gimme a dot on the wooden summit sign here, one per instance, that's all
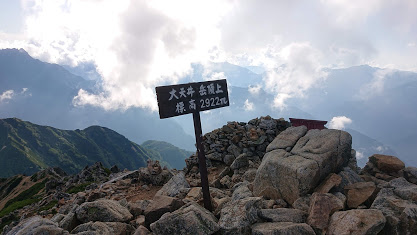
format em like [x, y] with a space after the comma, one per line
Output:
[176, 100]
[187, 98]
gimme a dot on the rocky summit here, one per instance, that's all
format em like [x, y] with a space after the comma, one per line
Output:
[265, 177]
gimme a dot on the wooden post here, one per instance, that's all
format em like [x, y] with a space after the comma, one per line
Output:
[202, 161]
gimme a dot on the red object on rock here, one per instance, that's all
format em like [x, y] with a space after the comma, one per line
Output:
[310, 124]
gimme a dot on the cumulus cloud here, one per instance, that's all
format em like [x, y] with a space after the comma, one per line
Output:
[137, 45]
[359, 155]
[254, 90]
[376, 86]
[248, 106]
[339, 122]
[7, 95]
[301, 71]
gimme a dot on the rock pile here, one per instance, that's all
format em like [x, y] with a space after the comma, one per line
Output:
[266, 178]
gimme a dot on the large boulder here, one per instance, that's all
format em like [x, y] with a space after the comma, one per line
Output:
[290, 175]
[177, 186]
[189, 219]
[282, 228]
[98, 228]
[36, 225]
[104, 211]
[359, 221]
[236, 217]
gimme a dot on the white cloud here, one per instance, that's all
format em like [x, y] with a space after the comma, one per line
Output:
[339, 122]
[7, 95]
[301, 71]
[254, 90]
[376, 86]
[138, 45]
[248, 106]
[359, 155]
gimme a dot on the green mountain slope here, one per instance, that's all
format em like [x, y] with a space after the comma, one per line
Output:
[25, 148]
[173, 155]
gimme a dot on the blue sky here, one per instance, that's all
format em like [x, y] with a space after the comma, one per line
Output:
[137, 45]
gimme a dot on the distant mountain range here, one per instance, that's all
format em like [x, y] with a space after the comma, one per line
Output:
[172, 155]
[381, 103]
[42, 93]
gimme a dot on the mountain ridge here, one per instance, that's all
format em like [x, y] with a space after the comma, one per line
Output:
[37, 147]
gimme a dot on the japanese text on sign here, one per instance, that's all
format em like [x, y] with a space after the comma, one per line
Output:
[192, 97]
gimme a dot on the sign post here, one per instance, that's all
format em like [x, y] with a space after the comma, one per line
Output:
[192, 98]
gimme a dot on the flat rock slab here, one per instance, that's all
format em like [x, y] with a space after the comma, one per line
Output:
[159, 206]
[236, 217]
[283, 215]
[189, 219]
[104, 211]
[37, 225]
[281, 228]
[359, 221]
[114, 228]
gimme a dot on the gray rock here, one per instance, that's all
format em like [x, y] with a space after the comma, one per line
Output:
[287, 138]
[241, 191]
[142, 230]
[249, 175]
[282, 228]
[302, 203]
[159, 206]
[104, 211]
[400, 214]
[283, 176]
[359, 221]
[189, 219]
[228, 159]
[404, 189]
[215, 156]
[349, 176]
[99, 228]
[410, 174]
[36, 225]
[177, 186]
[69, 222]
[240, 161]
[57, 217]
[292, 175]
[283, 215]
[234, 150]
[236, 217]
